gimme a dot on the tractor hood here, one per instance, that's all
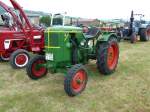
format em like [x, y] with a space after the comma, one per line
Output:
[64, 28]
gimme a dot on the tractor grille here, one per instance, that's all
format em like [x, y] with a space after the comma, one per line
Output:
[53, 39]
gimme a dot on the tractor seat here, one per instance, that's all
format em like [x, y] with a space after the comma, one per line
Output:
[92, 33]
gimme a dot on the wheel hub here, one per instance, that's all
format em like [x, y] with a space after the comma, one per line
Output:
[21, 60]
[37, 69]
[78, 81]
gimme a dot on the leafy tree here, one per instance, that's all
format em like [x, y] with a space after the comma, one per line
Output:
[45, 20]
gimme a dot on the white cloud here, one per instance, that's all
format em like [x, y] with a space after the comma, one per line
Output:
[89, 8]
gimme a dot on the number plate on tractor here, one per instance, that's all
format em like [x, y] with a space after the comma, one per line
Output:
[49, 56]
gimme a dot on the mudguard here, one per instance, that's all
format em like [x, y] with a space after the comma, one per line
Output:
[106, 35]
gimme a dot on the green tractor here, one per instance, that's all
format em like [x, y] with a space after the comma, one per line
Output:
[68, 49]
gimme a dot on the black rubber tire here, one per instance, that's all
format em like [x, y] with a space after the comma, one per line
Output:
[133, 38]
[69, 77]
[29, 67]
[143, 36]
[119, 39]
[102, 53]
[14, 55]
[3, 59]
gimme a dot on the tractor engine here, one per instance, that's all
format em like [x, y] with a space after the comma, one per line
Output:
[61, 45]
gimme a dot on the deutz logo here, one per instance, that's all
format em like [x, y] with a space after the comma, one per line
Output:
[66, 36]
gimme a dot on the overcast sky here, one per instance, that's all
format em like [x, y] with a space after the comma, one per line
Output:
[102, 9]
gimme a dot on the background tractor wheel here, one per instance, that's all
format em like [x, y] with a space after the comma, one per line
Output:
[19, 59]
[133, 38]
[76, 80]
[34, 70]
[107, 56]
[145, 34]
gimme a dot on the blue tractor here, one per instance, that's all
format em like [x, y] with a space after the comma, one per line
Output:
[137, 28]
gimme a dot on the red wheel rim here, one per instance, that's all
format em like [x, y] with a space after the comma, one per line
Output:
[37, 70]
[21, 59]
[79, 81]
[112, 57]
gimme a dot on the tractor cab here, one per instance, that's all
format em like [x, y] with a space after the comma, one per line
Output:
[61, 19]
[57, 19]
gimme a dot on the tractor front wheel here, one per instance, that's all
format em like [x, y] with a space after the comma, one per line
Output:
[19, 59]
[76, 80]
[34, 69]
[107, 56]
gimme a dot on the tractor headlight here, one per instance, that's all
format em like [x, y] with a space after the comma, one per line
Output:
[90, 44]
[37, 37]
[6, 44]
[49, 56]
[82, 43]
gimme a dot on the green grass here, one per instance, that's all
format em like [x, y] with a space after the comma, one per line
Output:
[127, 90]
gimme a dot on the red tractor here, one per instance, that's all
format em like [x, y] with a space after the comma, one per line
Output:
[18, 36]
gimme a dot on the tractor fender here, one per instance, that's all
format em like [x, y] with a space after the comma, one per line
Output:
[106, 36]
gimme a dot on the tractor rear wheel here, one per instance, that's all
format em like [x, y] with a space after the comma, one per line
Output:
[107, 56]
[76, 80]
[133, 38]
[19, 59]
[34, 70]
[145, 34]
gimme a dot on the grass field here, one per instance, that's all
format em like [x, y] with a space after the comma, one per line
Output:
[127, 90]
